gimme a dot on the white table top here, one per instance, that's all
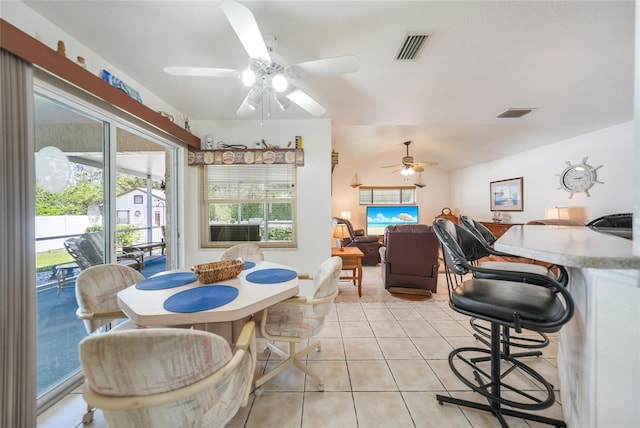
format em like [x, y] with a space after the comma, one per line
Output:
[145, 307]
[572, 246]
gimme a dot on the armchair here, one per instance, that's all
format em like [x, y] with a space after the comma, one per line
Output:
[368, 244]
[96, 294]
[167, 377]
[299, 318]
[410, 259]
[247, 252]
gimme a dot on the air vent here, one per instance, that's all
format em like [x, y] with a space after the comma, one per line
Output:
[511, 113]
[411, 46]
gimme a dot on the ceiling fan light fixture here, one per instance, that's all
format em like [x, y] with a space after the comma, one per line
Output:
[254, 98]
[279, 83]
[283, 101]
[407, 171]
[248, 77]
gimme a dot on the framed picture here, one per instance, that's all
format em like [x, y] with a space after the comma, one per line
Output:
[506, 195]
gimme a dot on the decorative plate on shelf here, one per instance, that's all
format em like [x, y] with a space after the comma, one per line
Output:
[208, 158]
[269, 157]
[228, 157]
[249, 157]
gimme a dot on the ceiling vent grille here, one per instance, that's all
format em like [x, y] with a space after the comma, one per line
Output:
[511, 113]
[411, 46]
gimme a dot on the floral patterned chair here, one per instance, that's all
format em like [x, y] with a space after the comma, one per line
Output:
[300, 318]
[247, 252]
[167, 377]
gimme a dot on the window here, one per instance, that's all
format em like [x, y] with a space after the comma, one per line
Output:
[405, 195]
[137, 199]
[248, 203]
[122, 217]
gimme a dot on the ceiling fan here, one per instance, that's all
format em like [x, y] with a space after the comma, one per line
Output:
[267, 73]
[408, 166]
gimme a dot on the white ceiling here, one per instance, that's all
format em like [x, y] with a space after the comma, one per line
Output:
[570, 60]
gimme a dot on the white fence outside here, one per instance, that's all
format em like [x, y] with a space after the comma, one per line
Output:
[58, 225]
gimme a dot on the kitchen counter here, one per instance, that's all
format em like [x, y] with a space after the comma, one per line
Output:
[574, 246]
[599, 349]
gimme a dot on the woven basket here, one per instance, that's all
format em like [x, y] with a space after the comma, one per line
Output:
[217, 271]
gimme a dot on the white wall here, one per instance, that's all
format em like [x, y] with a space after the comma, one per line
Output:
[611, 147]
[314, 187]
[35, 25]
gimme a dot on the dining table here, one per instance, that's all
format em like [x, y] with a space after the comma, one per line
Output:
[177, 298]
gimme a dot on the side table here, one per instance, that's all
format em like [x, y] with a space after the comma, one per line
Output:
[62, 274]
[351, 260]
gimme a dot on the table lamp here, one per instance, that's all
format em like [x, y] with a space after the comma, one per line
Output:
[340, 232]
[345, 215]
[568, 213]
[557, 213]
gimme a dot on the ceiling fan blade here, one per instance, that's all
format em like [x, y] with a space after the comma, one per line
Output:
[246, 28]
[391, 166]
[423, 163]
[250, 103]
[306, 102]
[201, 71]
[417, 168]
[325, 67]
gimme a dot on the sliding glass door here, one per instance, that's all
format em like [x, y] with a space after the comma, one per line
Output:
[99, 178]
[70, 201]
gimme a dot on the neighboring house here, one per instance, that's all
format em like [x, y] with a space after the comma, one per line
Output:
[132, 206]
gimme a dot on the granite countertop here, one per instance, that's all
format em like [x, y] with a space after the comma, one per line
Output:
[574, 246]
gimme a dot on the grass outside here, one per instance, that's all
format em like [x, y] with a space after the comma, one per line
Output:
[47, 259]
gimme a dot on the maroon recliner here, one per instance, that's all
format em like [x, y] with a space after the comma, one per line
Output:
[368, 244]
[409, 259]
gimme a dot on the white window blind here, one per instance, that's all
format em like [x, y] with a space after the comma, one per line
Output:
[250, 182]
[387, 195]
[253, 203]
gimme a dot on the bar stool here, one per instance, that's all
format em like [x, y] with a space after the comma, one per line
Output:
[517, 300]
[533, 343]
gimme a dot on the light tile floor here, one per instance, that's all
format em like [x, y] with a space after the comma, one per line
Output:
[384, 359]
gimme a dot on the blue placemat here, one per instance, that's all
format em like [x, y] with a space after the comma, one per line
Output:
[248, 265]
[201, 298]
[168, 280]
[271, 276]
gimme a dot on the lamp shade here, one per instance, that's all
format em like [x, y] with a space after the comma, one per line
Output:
[565, 213]
[557, 213]
[345, 215]
[340, 231]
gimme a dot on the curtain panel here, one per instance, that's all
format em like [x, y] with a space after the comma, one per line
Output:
[17, 247]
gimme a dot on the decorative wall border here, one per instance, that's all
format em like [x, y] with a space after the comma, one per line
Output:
[246, 157]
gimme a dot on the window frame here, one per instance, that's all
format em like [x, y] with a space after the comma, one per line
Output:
[204, 222]
[399, 201]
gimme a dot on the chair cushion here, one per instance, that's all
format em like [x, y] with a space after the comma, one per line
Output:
[185, 360]
[302, 321]
[502, 299]
[97, 288]
[299, 321]
[157, 360]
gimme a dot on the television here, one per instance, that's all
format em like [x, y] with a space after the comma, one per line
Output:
[379, 217]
